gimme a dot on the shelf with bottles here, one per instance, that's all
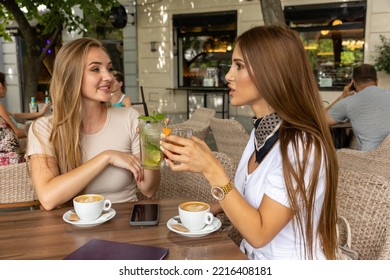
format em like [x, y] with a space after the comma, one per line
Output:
[207, 70]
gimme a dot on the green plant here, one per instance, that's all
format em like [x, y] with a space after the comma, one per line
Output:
[382, 61]
[154, 118]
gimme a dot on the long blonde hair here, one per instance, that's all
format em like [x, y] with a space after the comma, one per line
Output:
[65, 91]
[280, 70]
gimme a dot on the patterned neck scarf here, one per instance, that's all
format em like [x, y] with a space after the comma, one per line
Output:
[266, 134]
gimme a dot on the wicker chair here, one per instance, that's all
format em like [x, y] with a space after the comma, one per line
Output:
[230, 137]
[363, 199]
[199, 122]
[189, 184]
[16, 189]
[194, 186]
[140, 108]
[376, 161]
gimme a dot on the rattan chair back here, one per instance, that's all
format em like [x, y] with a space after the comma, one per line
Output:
[141, 110]
[363, 199]
[189, 184]
[199, 122]
[16, 189]
[376, 161]
[230, 137]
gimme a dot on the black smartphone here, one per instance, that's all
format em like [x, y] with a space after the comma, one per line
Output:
[145, 215]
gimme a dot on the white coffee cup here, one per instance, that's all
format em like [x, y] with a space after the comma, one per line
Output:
[195, 215]
[89, 207]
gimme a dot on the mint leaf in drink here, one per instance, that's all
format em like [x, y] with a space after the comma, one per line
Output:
[152, 147]
[154, 118]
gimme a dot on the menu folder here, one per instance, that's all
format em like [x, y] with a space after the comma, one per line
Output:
[97, 249]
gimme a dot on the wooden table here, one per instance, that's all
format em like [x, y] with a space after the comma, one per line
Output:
[44, 235]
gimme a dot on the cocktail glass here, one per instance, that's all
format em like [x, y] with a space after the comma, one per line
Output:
[149, 132]
[182, 132]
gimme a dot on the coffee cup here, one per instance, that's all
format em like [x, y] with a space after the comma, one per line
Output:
[195, 215]
[89, 207]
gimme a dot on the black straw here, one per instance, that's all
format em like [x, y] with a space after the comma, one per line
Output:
[143, 101]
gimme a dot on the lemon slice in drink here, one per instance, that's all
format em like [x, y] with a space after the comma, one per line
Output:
[156, 156]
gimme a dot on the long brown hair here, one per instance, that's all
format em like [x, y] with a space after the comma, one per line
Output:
[65, 90]
[280, 70]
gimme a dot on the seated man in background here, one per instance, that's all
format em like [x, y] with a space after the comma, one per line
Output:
[366, 106]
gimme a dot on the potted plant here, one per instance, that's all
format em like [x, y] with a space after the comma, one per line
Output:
[382, 61]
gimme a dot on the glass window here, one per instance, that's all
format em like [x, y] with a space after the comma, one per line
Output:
[333, 35]
[204, 44]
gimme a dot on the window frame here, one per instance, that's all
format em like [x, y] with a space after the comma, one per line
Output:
[319, 17]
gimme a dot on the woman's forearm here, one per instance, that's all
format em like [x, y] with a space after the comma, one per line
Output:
[150, 183]
[28, 116]
[54, 189]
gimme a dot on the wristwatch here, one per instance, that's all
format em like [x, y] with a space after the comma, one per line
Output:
[219, 193]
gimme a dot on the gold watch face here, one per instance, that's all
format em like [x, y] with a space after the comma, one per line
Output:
[218, 193]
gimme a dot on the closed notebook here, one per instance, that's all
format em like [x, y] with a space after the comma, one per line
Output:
[97, 249]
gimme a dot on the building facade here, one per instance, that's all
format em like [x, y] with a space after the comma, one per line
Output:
[150, 46]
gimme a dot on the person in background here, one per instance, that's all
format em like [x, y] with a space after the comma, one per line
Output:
[13, 118]
[285, 184]
[366, 106]
[11, 152]
[74, 151]
[118, 98]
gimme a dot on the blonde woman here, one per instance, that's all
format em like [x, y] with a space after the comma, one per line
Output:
[86, 146]
[285, 184]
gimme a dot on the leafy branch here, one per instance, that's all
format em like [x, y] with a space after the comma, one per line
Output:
[382, 61]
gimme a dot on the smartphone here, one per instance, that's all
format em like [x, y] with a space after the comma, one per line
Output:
[145, 215]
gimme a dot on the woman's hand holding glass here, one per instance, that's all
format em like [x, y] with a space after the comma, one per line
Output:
[193, 154]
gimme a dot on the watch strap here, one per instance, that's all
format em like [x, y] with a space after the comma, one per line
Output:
[228, 187]
[223, 189]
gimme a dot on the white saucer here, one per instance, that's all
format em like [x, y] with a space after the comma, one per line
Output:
[102, 219]
[199, 233]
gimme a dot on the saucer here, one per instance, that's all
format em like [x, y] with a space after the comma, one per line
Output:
[80, 223]
[198, 233]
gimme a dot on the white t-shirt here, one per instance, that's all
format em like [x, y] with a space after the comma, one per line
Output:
[268, 179]
[118, 133]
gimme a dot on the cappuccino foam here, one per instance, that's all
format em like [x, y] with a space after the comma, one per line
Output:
[194, 207]
[88, 198]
